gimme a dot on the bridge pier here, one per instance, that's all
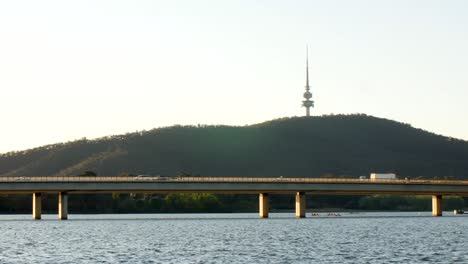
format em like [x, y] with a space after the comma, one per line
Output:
[37, 206]
[263, 205]
[436, 205]
[300, 205]
[63, 205]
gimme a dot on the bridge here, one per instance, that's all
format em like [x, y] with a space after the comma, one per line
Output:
[66, 185]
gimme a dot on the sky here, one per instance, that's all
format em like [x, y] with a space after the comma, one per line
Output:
[74, 69]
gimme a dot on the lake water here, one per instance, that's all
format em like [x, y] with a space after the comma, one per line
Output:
[235, 238]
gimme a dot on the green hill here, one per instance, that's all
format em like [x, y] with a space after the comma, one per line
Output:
[326, 146]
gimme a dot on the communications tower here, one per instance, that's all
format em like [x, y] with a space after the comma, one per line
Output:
[308, 102]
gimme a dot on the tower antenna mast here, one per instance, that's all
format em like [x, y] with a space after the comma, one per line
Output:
[308, 102]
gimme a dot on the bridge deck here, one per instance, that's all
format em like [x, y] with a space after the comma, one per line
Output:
[82, 184]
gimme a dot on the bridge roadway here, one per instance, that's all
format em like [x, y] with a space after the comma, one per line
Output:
[262, 186]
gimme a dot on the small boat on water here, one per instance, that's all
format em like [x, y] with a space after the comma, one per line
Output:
[328, 214]
[456, 212]
[333, 214]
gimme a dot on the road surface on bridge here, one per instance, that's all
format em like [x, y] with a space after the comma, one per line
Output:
[89, 184]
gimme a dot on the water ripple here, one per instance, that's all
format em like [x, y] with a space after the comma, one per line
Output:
[237, 238]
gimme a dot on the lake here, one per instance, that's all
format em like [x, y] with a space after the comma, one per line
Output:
[236, 238]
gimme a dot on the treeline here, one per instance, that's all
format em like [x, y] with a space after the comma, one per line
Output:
[210, 203]
[134, 203]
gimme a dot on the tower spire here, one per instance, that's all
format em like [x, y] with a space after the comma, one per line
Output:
[307, 103]
[307, 68]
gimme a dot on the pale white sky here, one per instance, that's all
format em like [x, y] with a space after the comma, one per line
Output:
[73, 69]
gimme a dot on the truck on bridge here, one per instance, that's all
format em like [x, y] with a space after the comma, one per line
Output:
[383, 176]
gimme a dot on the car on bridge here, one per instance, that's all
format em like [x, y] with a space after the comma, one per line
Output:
[151, 177]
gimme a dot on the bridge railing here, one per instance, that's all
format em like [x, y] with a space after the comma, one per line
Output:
[160, 179]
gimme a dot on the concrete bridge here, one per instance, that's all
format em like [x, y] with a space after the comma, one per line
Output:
[263, 186]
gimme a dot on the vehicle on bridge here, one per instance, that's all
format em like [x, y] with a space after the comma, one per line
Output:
[151, 177]
[383, 176]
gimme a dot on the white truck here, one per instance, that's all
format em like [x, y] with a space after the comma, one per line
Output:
[382, 176]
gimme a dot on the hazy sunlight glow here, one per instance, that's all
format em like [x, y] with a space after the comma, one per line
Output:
[73, 69]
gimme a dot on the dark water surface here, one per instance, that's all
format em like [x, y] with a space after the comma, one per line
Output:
[235, 238]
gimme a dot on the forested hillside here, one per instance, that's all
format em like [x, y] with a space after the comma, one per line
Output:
[326, 146]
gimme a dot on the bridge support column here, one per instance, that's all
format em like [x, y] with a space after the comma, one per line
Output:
[63, 205]
[263, 205]
[300, 204]
[37, 206]
[437, 205]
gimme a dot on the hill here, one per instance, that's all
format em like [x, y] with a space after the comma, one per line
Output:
[325, 146]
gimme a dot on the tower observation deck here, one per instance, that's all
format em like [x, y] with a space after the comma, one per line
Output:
[308, 102]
